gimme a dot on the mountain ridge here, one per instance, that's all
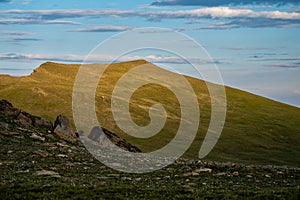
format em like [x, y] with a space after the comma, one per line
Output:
[257, 129]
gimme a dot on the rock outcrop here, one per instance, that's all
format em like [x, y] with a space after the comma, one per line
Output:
[63, 129]
[104, 138]
[12, 118]
[23, 118]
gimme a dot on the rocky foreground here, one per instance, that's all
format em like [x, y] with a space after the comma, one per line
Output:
[39, 159]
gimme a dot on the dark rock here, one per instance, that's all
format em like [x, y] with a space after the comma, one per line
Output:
[98, 136]
[62, 128]
[7, 109]
[104, 138]
[42, 123]
[24, 120]
[35, 121]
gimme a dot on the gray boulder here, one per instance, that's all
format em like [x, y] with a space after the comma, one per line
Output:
[63, 129]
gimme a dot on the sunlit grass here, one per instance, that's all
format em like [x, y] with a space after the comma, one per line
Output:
[257, 130]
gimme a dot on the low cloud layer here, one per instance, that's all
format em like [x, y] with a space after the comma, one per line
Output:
[223, 17]
[16, 33]
[220, 2]
[211, 13]
[17, 57]
[246, 23]
[284, 65]
[34, 21]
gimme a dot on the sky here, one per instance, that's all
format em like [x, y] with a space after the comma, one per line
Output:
[255, 44]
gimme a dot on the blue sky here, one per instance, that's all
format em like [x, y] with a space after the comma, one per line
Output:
[255, 44]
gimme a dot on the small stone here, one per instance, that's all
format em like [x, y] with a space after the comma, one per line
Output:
[62, 156]
[47, 173]
[195, 174]
[236, 173]
[46, 185]
[203, 170]
[170, 169]
[186, 174]
[267, 176]
[138, 179]
[113, 175]
[221, 174]
[37, 137]
[126, 179]
[62, 144]
[25, 171]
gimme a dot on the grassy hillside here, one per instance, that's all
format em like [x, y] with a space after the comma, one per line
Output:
[257, 130]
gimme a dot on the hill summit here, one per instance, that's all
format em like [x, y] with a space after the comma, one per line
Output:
[257, 130]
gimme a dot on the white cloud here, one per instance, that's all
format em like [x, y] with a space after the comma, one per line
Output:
[16, 33]
[34, 21]
[210, 12]
[221, 2]
[223, 17]
[107, 28]
[98, 58]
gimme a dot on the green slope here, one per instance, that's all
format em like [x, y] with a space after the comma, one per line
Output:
[257, 130]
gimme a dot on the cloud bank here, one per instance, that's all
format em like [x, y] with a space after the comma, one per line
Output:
[35, 21]
[18, 57]
[211, 13]
[222, 17]
[220, 2]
